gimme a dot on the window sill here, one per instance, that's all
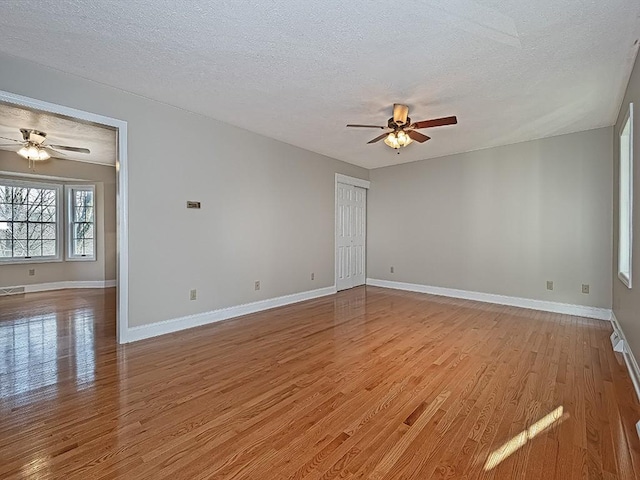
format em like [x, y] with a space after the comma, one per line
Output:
[80, 259]
[22, 261]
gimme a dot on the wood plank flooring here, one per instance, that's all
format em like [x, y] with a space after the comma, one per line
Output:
[367, 384]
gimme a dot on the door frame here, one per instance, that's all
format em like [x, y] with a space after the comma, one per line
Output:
[122, 190]
[356, 182]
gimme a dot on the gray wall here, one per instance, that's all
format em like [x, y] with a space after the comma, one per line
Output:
[501, 220]
[104, 178]
[626, 302]
[267, 207]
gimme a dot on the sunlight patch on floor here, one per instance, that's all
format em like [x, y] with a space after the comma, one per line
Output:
[507, 449]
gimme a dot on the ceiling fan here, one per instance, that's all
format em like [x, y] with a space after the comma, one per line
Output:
[34, 148]
[401, 132]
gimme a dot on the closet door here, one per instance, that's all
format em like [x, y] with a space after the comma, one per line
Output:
[350, 236]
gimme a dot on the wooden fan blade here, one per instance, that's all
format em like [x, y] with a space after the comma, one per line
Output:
[436, 122]
[417, 136]
[366, 126]
[12, 140]
[377, 139]
[70, 149]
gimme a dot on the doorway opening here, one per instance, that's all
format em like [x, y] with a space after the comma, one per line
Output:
[88, 209]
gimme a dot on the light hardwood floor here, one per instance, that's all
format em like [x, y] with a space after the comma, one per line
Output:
[370, 383]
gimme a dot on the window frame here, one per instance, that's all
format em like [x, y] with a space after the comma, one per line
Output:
[69, 190]
[59, 221]
[625, 271]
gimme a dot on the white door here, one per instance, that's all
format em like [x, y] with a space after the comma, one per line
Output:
[351, 227]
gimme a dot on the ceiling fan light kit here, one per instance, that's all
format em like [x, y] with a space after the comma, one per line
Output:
[402, 131]
[34, 153]
[398, 139]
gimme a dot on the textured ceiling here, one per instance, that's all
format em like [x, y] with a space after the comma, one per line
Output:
[299, 71]
[60, 130]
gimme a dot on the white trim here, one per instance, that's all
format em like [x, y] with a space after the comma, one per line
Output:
[122, 313]
[529, 303]
[629, 357]
[38, 177]
[199, 319]
[625, 277]
[356, 182]
[46, 287]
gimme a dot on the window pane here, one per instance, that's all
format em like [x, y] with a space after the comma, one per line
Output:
[20, 195]
[49, 214]
[83, 214]
[83, 198]
[34, 231]
[35, 248]
[19, 212]
[5, 193]
[19, 248]
[5, 246]
[83, 247]
[88, 247]
[83, 230]
[48, 248]
[34, 213]
[6, 211]
[49, 231]
[35, 196]
[19, 230]
[48, 197]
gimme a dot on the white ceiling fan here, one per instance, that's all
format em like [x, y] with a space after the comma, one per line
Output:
[34, 148]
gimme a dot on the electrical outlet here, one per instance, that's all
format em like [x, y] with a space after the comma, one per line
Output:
[193, 294]
[549, 285]
[257, 285]
[391, 269]
[313, 276]
[585, 288]
[32, 272]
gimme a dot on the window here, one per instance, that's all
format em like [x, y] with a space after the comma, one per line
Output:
[626, 199]
[29, 221]
[81, 244]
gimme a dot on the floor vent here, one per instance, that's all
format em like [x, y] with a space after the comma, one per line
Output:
[617, 343]
[11, 290]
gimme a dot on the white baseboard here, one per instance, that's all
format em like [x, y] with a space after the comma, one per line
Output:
[190, 321]
[629, 357]
[543, 305]
[45, 287]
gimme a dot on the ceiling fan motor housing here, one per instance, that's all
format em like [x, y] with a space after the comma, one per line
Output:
[395, 125]
[400, 114]
[34, 136]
